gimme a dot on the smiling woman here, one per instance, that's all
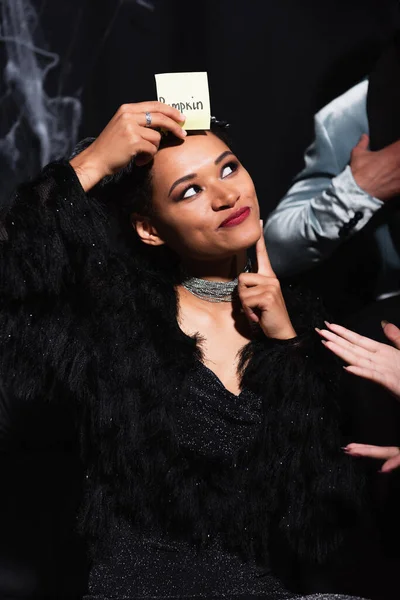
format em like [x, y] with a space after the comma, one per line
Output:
[195, 215]
[192, 409]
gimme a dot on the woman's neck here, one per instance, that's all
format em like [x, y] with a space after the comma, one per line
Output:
[223, 270]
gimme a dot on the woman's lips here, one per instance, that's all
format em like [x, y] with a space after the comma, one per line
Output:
[238, 217]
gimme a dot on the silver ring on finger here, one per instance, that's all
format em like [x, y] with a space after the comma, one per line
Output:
[148, 119]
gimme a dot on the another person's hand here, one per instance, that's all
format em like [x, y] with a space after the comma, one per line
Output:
[389, 454]
[365, 357]
[129, 134]
[377, 172]
[376, 362]
[261, 297]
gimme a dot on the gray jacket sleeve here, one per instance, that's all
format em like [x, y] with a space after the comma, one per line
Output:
[306, 226]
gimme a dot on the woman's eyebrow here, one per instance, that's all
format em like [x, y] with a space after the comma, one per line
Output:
[222, 156]
[181, 180]
[193, 175]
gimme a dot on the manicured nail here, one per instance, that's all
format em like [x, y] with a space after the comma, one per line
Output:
[184, 132]
[384, 323]
[183, 117]
[327, 323]
[323, 342]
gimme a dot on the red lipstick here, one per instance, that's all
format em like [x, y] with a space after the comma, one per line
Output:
[237, 217]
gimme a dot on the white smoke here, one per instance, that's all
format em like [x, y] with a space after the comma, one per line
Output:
[34, 127]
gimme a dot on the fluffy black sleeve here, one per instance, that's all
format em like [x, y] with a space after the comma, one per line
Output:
[50, 234]
[53, 243]
[318, 497]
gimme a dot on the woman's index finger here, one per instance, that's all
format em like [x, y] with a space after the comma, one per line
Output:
[263, 263]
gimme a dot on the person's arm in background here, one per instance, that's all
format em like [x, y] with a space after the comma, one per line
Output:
[306, 226]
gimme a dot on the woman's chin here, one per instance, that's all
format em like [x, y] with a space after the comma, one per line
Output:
[246, 237]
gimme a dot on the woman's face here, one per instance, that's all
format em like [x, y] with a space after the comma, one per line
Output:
[204, 200]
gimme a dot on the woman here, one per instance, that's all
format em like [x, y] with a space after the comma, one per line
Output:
[208, 420]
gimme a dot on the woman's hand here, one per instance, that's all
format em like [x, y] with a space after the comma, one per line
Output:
[390, 454]
[367, 358]
[371, 360]
[261, 297]
[126, 136]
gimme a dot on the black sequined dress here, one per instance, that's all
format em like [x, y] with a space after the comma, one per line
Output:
[212, 420]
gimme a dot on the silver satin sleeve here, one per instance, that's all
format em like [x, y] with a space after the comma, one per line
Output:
[304, 228]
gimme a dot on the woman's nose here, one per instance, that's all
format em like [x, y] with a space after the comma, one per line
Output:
[225, 197]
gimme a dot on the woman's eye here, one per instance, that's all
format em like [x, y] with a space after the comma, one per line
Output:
[190, 191]
[228, 169]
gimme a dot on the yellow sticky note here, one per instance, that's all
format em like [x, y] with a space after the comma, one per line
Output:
[189, 93]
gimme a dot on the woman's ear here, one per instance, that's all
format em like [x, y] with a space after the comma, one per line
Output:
[146, 230]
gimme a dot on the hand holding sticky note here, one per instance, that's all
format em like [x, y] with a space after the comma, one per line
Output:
[189, 93]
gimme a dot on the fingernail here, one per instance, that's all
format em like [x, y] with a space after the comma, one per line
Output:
[384, 323]
[344, 447]
[184, 132]
[318, 330]
[323, 342]
[326, 323]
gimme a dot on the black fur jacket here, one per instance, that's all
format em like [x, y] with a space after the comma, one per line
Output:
[89, 323]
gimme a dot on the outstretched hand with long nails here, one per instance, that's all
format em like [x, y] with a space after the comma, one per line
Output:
[374, 361]
[365, 357]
